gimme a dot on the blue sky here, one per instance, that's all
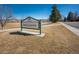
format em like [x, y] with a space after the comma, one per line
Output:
[40, 11]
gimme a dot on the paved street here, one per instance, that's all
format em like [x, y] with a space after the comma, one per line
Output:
[73, 24]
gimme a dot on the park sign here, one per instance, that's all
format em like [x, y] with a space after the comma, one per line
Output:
[31, 23]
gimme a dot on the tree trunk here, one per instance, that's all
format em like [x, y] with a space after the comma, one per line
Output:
[2, 27]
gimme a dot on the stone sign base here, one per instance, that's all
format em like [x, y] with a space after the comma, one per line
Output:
[33, 33]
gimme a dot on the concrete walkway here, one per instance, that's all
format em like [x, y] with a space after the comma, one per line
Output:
[9, 30]
[14, 29]
[73, 29]
[33, 33]
[43, 26]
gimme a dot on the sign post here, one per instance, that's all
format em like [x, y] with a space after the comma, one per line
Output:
[21, 25]
[40, 26]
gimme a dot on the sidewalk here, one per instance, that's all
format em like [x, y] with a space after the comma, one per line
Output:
[73, 29]
[50, 25]
[14, 29]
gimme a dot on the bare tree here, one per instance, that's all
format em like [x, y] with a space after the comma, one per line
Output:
[5, 14]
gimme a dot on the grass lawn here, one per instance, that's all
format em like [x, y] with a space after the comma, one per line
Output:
[58, 39]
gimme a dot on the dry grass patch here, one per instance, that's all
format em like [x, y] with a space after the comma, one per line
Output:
[11, 25]
[58, 39]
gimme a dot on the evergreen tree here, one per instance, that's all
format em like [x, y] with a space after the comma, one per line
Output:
[55, 14]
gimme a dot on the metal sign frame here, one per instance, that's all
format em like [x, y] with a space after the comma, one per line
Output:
[39, 24]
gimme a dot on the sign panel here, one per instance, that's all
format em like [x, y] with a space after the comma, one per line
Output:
[30, 24]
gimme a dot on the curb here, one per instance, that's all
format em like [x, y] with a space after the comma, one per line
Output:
[72, 29]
